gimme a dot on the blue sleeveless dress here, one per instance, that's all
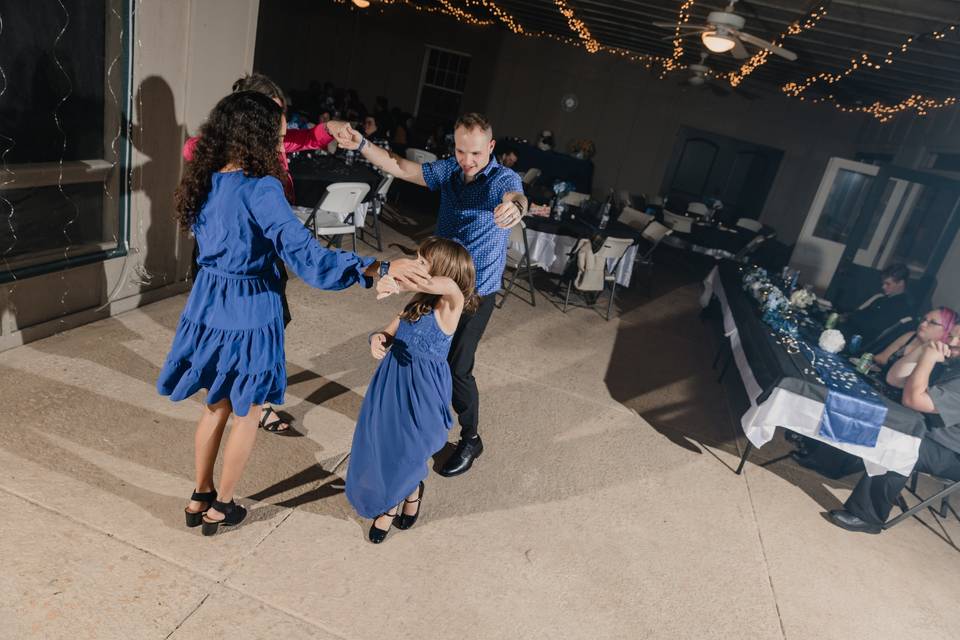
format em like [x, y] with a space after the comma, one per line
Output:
[404, 418]
[230, 336]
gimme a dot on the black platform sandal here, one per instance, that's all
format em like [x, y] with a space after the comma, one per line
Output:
[195, 518]
[403, 520]
[377, 536]
[233, 514]
[273, 426]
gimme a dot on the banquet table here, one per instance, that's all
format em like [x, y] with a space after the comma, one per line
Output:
[716, 240]
[784, 391]
[312, 176]
[551, 242]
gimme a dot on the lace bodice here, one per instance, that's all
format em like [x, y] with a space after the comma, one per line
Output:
[422, 338]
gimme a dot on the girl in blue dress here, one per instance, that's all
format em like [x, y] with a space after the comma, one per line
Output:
[406, 414]
[230, 337]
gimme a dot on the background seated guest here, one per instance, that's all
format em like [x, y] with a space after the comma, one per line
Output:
[508, 158]
[869, 505]
[884, 309]
[899, 359]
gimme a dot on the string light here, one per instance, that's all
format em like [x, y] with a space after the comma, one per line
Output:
[683, 17]
[8, 176]
[918, 103]
[760, 57]
[577, 25]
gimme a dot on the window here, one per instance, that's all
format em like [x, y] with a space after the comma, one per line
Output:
[442, 83]
[66, 68]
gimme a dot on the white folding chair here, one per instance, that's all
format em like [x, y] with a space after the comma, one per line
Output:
[335, 215]
[680, 224]
[698, 209]
[518, 260]
[420, 156]
[531, 175]
[376, 206]
[635, 219]
[625, 197]
[574, 198]
[749, 224]
[612, 249]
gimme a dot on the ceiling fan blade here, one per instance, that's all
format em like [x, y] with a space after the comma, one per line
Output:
[769, 46]
[739, 51]
[673, 25]
[685, 35]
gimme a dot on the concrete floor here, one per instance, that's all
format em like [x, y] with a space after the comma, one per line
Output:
[604, 506]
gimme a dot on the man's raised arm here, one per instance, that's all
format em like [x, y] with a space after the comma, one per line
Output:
[386, 161]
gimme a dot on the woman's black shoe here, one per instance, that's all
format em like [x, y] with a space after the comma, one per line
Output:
[195, 518]
[403, 520]
[233, 514]
[377, 536]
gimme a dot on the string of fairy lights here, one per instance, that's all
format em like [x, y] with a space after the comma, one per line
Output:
[918, 103]
[760, 57]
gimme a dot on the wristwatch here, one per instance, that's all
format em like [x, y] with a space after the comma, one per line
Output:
[363, 143]
[384, 268]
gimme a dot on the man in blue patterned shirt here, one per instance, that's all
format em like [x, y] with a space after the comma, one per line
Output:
[480, 200]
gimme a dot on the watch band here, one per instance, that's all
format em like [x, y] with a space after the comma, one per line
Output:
[384, 268]
[363, 143]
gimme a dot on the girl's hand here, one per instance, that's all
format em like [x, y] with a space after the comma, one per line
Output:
[387, 286]
[378, 345]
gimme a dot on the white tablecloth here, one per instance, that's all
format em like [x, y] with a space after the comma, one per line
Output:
[550, 252]
[894, 451]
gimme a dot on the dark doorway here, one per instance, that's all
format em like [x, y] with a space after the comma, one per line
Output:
[705, 165]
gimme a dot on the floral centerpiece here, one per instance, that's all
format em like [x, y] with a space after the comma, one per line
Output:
[802, 298]
[583, 149]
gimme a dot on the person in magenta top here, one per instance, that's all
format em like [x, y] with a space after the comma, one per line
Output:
[294, 140]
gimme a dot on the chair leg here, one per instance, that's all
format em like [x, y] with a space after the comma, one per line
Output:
[376, 230]
[533, 295]
[613, 292]
[508, 288]
[567, 297]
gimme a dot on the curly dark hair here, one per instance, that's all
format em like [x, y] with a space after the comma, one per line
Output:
[243, 129]
[447, 258]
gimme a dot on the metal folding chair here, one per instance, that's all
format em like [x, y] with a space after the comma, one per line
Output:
[376, 206]
[613, 248]
[334, 215]
[943, 496]
[518, 261]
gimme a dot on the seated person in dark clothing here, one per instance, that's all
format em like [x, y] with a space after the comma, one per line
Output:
[897, 362]
[869, 505]
[882, 310]
[508, 158]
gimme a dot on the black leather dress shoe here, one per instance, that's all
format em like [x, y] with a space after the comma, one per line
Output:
[462, 459]
[846, 520]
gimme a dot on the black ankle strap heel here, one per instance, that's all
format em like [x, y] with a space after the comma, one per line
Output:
[233, 514]
[404, 521]
[195, 518]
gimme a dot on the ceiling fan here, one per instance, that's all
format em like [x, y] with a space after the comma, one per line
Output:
[723, 33]
[702, 76]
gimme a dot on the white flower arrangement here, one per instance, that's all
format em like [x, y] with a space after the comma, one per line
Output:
[832, 341]
[802, 298]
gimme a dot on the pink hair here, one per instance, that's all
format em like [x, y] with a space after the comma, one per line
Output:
[948, 318]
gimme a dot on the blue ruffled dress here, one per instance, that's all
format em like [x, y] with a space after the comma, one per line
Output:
[404, 418]
[230, 336]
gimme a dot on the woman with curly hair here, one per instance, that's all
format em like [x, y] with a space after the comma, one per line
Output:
[229, 340]
[294, 140]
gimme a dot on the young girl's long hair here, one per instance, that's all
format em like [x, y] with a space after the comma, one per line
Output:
[450, 259]
[243, 129]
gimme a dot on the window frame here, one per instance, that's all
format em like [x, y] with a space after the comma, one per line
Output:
[114, 176]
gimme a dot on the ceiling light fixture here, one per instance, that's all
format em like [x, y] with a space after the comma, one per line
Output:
[717, 42]
[363, 4]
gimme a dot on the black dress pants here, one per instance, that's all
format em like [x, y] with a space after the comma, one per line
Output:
[463, 348]
[873, 497]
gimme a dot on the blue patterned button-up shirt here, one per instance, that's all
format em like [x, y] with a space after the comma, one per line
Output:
[466, 214]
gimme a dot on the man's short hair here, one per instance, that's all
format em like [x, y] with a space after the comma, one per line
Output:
[471, 121]
[897, 271]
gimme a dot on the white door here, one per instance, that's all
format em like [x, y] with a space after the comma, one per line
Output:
[836, 206]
